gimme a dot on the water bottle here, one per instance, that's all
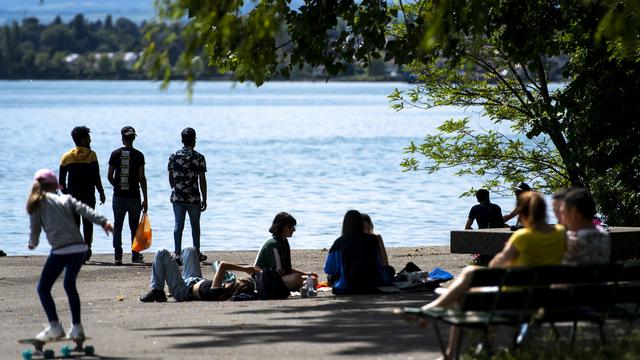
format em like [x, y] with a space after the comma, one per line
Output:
[311, 285]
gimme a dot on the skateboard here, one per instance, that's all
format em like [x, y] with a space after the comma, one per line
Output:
[50, 354]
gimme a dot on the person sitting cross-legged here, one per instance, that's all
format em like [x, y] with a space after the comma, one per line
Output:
[191, 285]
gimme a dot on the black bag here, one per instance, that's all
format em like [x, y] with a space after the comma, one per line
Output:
[270, 286]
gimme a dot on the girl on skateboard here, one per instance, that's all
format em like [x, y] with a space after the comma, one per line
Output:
[55, 214]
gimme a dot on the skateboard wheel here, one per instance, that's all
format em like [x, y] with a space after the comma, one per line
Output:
[89, 350]
[27, 354]
[49, 354]
[66, 351]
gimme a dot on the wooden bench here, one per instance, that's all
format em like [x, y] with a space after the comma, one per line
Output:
[531, 296]
[625, 241]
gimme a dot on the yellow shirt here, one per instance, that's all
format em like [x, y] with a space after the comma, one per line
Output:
[539, 248]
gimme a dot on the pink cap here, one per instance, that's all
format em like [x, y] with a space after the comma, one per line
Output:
[46, 176]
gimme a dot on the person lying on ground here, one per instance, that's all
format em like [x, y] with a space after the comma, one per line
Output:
[191, 285]
[538, 243]
[353, 264]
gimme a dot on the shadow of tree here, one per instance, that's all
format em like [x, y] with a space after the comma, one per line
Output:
[366, 321]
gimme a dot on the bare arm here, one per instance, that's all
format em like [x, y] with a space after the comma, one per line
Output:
[383, 251]
[110, 173]
[202, 179]
[62, 178]
[467, 226]
[143, 187]
[511, 215]
[98, 183]
[508, 255]
[225, 266]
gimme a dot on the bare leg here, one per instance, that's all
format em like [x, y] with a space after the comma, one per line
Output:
[293, 281]
[455, 291]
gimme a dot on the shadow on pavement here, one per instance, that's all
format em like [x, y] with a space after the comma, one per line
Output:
[365, 321]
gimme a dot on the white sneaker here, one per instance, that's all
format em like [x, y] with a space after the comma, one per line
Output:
[76, 332]
[51, 333]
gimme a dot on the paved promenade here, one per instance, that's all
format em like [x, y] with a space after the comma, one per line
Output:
[121, 327]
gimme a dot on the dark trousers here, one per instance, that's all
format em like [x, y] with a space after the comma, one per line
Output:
[53, 267]
[87, 225]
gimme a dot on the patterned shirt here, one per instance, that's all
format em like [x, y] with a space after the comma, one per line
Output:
[587, 246]
[185, 165]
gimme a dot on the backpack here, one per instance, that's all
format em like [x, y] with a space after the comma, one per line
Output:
[270, 286]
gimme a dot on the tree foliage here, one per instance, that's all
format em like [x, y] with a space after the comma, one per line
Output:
[498, 55]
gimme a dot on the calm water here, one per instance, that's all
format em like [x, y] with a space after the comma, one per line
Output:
[315, 150]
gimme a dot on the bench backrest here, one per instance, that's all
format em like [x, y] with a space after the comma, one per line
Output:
[557, 286]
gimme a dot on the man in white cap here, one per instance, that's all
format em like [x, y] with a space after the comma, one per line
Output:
[126, 174]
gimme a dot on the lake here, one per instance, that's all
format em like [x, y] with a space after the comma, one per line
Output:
[314, 150]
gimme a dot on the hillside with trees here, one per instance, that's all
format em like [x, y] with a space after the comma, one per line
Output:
[110, 49]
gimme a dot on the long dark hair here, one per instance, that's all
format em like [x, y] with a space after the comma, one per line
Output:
[353, 223]
[281, 220]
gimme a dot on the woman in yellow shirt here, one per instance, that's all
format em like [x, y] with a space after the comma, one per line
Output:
[538, 243]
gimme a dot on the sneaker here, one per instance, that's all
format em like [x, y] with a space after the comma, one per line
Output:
[203, 257]
[137, 259]
[154, 295]
[51, 333]
[76, 332]
[117, 262]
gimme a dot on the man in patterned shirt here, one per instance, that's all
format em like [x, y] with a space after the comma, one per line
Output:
[187, 169]
[586, 242]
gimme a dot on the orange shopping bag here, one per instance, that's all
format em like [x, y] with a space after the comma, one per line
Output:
[142, 240]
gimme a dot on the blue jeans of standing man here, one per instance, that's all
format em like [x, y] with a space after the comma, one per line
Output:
[180, 211]
[165, 269]
[122, 206]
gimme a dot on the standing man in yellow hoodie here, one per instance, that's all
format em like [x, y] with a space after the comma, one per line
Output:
[80, 177]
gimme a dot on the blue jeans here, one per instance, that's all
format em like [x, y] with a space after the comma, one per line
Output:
[53, 267]
[122, 206]
[165, 269]
[180, 211]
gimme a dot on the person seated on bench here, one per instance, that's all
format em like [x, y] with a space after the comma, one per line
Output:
[586, 243]
[353, 265]
[191, 285]
[538, 243]
[275, 252]
[557, 200]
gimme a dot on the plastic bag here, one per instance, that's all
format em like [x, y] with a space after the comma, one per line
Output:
[142, 240]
